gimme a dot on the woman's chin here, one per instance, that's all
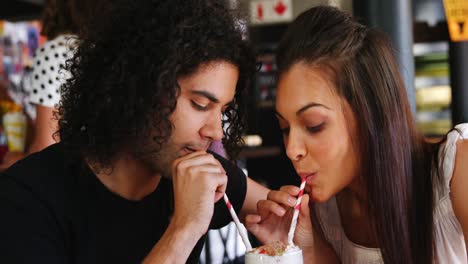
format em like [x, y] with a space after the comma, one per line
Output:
[319, 196]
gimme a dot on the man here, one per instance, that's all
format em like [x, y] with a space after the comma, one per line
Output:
[131, 180]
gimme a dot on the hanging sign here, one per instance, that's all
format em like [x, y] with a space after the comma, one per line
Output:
[270, 11]
[456, 12]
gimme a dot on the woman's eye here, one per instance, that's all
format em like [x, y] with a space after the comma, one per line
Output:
[316, 129]
[199, 107]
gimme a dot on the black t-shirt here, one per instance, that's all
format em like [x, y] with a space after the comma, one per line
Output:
[55, 211]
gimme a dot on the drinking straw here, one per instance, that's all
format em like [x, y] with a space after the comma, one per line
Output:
[292, 228]
[240, 227]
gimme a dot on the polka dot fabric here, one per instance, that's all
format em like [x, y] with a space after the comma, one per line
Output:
[48, 70]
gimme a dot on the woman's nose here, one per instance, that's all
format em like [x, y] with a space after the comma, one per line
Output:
[295, 147]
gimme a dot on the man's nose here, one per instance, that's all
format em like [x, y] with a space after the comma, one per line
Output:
[213, 128]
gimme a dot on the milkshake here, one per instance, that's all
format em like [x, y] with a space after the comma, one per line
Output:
[274, 253]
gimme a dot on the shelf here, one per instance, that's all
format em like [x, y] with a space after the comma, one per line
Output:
[266, 104]
[428, 81]
[420, 49]
[259, 152]
[434, 122]
[429, 116]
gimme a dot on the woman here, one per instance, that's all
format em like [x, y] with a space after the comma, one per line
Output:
[379, 193]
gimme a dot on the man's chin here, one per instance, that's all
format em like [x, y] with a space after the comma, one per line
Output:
[163, 171]
[166, 175]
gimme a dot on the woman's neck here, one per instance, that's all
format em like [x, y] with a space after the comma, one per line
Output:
[358, 190]
[355, 217]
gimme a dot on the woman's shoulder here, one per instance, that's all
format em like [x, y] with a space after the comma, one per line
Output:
[448, 232]
[448, 152]
[460, 131]
[461, 143]
[455, 156]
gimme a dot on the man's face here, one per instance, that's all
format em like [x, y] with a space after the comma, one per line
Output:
[197, 119]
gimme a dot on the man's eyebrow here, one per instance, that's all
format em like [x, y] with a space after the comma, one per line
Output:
[206, 94]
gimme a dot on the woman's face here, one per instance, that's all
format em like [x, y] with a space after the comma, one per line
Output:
[316, 132]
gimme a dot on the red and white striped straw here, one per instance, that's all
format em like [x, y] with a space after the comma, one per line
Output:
[240, 227]
[292, 228]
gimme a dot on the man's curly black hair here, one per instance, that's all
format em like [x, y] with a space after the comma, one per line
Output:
[124, 74]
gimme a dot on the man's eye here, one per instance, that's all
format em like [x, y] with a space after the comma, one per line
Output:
[199, 107]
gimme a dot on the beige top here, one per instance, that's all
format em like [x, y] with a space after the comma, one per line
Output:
[448, 234]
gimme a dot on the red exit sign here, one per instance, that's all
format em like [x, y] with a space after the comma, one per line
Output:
[271, 11]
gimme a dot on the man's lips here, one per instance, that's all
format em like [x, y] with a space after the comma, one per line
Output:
[191, 149]
[195, 149]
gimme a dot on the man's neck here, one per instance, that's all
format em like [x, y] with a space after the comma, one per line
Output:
[129, 179]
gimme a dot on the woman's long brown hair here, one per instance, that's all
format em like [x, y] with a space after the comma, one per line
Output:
[395, 162]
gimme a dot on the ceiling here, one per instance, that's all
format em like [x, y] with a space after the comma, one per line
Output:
[17, 10]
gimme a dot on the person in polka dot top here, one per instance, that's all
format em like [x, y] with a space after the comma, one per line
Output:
[48, 75]
[49, 70]
[62, 22]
